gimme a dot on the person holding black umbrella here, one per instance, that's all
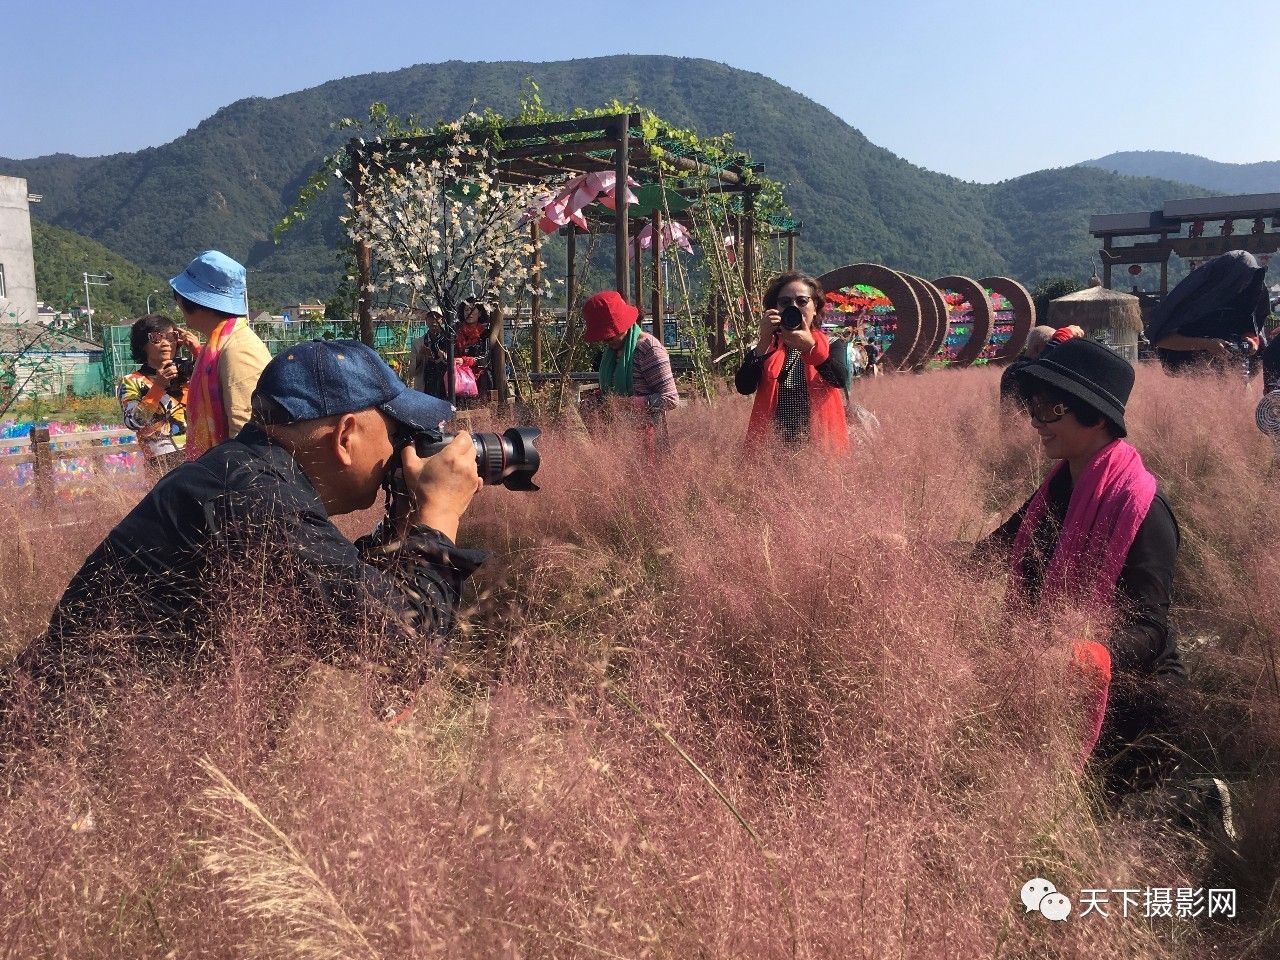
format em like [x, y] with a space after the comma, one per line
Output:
[1217, 311]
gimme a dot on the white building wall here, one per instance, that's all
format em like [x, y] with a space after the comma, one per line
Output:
[18, 302]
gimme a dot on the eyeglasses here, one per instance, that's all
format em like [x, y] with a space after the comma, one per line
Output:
[798, 301]
[1045, 413]
[158, 338]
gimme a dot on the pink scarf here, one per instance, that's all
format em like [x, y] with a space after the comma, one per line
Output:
[206, 415]
[1108, 504]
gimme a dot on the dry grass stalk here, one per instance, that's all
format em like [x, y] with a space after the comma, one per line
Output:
[270, 879]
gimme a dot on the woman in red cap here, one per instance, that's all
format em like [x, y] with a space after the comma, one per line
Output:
[798, 381]
[634, 364]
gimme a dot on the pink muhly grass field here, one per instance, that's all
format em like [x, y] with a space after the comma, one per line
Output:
[704, 708]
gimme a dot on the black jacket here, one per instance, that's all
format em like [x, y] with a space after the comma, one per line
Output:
[245, 517]
[1141, 641]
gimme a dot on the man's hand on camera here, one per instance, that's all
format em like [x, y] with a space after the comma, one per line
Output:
[441, 486]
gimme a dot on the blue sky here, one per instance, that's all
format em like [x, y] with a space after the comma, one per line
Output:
[982, 91]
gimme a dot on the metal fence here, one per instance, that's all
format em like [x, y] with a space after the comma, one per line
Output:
[393, 339]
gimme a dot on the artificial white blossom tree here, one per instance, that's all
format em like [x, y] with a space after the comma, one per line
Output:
[445, 228]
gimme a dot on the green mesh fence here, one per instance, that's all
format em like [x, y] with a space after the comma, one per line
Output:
[86, 381]
[116, 358]
[392, 339]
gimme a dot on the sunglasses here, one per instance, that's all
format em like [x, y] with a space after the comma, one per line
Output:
[797, 301]
[1044, 413]
[159, 338]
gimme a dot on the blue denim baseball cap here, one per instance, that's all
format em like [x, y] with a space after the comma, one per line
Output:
[215, 281]
[324, 378]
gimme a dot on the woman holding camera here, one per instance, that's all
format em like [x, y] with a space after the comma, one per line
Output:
[797, 380]
[153, 398]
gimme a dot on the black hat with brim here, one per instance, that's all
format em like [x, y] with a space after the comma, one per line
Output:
[1088, 371]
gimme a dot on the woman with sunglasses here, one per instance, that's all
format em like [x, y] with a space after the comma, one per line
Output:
[798, 381]
[1099, 534]
[153, 398]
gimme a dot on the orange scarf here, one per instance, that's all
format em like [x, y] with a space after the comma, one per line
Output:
[206, 415]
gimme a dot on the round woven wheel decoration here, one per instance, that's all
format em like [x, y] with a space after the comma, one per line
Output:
[940, 335]
[906, 308]
[933, 321]
[1024, 314]
[981, 316]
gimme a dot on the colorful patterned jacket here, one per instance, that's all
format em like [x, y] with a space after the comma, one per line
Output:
[158, 418]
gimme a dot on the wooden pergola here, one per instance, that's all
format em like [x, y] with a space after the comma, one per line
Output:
[541, 152]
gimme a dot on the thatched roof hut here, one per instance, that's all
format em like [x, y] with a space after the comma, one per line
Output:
[1096, 307]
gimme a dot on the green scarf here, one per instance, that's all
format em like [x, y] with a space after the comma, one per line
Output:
[616, 365]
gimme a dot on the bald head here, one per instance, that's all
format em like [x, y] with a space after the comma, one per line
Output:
[1037, 338]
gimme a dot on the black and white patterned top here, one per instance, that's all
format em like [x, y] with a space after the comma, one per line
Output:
[792, 414]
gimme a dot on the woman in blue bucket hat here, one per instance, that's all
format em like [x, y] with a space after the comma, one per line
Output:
[210, 292]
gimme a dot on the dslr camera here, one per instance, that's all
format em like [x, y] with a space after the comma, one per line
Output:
[186, 366]
[509, 458]
[792, 318]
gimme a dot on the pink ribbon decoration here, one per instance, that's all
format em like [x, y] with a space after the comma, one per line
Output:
[671, 233]
[565, 206]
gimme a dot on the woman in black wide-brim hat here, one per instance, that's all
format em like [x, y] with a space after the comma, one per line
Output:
[1099, 534]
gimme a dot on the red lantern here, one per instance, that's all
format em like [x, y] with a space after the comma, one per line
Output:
[1134, 270]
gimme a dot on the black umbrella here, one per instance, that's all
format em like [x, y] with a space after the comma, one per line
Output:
[1224, 298]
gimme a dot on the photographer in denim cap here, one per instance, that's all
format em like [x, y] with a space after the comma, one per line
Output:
[330, 428]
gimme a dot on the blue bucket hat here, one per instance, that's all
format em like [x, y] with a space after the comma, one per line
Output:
[324, 378]
[215, 281]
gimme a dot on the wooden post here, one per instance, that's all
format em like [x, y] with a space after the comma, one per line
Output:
[621, 169]
[1106, 264]
[659, 321]
[791, 253]
[570, 281]
[501, 392]
[748, 252]
[720, 315]
[535, 301]
[363, 266]
[639, 273]
[1164, 268]
[497, 357]
[42, 464]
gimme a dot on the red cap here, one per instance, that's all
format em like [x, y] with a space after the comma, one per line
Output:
[607, 315]
[1062, 335]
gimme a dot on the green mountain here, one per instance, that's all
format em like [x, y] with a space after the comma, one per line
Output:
[63, 257]
[1226, 178]
[226, 182]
